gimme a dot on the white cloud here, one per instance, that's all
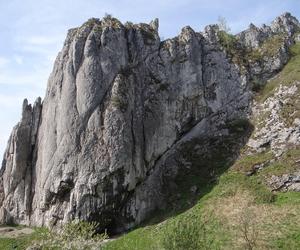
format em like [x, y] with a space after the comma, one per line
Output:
[18, 59]
[30, 79]
[42, 40]
[14, 101]
[3, 62]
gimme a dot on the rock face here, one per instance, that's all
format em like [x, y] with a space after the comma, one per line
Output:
[120, 109]
[274, 130]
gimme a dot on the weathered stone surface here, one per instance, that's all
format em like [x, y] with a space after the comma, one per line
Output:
[272, 131]
[120, 108]
[285, 182]
[17, 167]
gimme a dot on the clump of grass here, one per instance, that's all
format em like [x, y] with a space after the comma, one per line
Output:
[228, 41]
[233, 182]
[287, 163]
[148, 35]
[194, 231]
[119, 103]
[248, 162]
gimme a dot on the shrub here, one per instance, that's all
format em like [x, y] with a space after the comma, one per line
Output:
[119, 103]
[248, 229]
[195, 232]
[227, 41]
[257, 84]
[73, 235]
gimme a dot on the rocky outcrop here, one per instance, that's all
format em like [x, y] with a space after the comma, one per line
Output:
[17, 167]
[285, 182]
[121, 107]
[273, 130]
[254, 37]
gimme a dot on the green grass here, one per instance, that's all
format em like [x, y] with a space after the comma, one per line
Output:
[141, 238]
[10, 243]
[289, 74]
[288, 198]
[248, 162]
[290, 241]
[288, 163]
[21, 242]
[232, 182]
[198, 227]
[227, 41]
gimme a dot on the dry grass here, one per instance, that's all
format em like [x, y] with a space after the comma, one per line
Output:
[264, 221]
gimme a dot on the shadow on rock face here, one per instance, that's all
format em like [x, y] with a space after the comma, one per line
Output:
[198, 165]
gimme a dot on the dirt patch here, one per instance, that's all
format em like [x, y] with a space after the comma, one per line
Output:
[13, 232]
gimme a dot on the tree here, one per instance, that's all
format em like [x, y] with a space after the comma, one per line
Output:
[222, 24]
[248, 228]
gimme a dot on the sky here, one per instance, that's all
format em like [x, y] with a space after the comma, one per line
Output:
[32, 33]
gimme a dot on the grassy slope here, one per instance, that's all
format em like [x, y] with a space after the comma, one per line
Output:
[21, 242]
[218, 219]
[239, 212]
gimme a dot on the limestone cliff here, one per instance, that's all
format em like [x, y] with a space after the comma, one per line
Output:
[121, 109]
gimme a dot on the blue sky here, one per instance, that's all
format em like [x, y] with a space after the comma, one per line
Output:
[32, 33]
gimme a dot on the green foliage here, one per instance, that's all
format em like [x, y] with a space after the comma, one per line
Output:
[111, 21]
[146, 238]
[90, 22]
[290, 241]
[148, 35]
[288, 198]
[262, 193]
[10, 243]
[248, 162]
[81, 230]
[73, 235]
[118, 103]
[193, 232]
[228, 41]
[287, 163]
[22, 242]
[198, 228]
[290, 228]
[233, 182]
